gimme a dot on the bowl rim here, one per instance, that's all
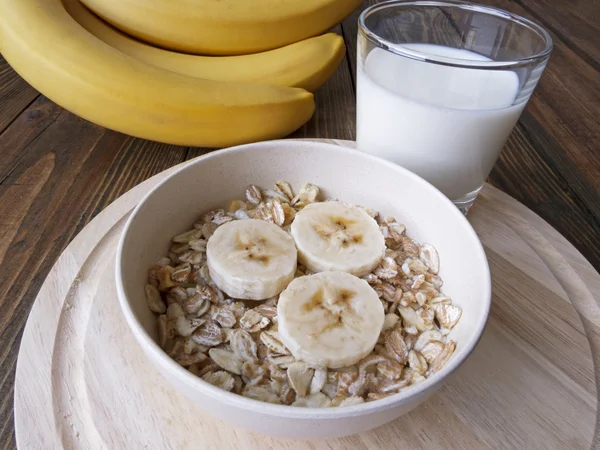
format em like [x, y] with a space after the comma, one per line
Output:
[153, 350]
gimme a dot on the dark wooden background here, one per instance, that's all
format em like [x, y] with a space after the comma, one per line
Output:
[58, 171]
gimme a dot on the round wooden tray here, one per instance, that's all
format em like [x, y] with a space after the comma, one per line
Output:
[83, 382]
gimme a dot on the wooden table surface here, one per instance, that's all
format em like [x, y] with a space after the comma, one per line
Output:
[58, 171]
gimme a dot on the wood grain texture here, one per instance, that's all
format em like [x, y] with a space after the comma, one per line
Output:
[15, 94]
[562, 118]
[529, 384]
[550, 162]
[576, 25]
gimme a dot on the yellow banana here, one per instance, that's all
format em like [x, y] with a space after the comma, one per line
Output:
[223, 27]
[101, 84]
[307, 64]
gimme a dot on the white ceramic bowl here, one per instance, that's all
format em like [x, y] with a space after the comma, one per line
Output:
[348, 175]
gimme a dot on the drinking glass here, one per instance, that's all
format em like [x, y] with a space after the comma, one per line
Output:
[440, 86]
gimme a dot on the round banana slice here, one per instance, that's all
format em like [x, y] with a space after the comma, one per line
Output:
[251, 259]
[329, 319]
[335, 236]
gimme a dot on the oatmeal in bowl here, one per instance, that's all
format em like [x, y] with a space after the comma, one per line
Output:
[296, 300]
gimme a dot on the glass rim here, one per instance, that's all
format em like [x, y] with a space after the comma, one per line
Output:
[454, 62]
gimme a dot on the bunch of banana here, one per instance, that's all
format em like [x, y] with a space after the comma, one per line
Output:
[109, 78]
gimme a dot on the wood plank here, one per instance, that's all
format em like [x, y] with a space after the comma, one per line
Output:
[59, 171]
[564, 120]
[559, 131]
[25, 129]
[575, 23]
[15, 94]
[540, 185]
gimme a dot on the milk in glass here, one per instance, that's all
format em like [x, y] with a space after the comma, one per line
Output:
[447, 124]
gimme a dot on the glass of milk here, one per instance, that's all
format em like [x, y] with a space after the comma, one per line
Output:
[440, 86]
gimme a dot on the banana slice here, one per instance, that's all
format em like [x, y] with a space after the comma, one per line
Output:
[333, 236]
[329, 319]
[251, 259]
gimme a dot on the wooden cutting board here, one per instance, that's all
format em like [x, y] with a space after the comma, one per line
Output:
[82, 382]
